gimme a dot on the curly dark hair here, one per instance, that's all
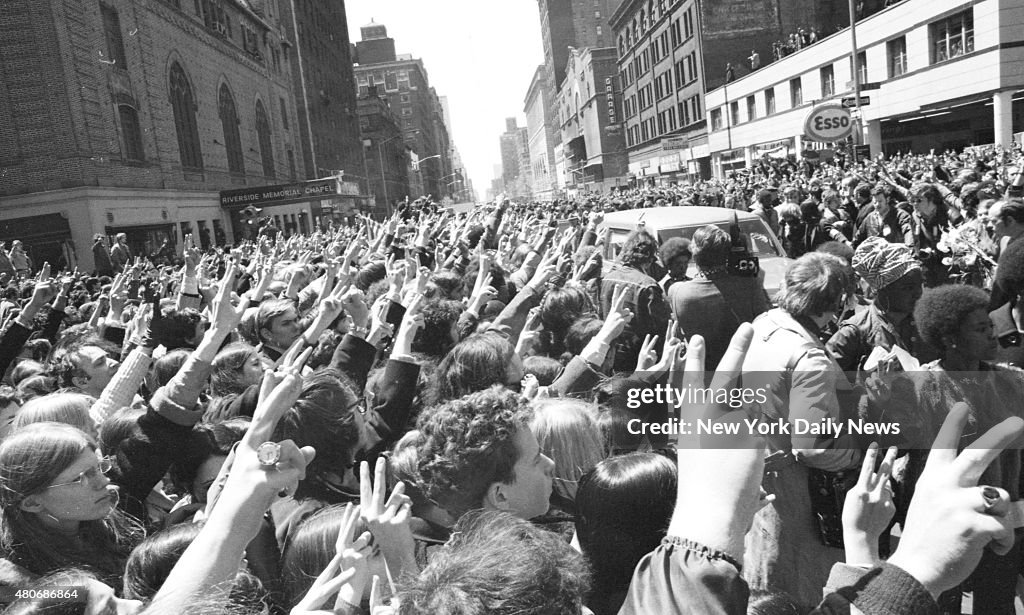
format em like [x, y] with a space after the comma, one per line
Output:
[501, 565]
[940, 312]
[435, 336]
[469, 444]
[639, 249]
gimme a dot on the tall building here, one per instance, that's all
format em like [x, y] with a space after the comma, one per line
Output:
[565, 24]
[131, 116]
[461, 188]
[387, 159]
[672, 53]
[592, 138]
[325, 87]
[515, 159]
[539, 118]
[404, 82]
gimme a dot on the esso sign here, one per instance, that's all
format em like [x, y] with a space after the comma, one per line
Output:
[828, 123]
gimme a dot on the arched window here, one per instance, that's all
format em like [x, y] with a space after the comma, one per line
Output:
[183, 104]
[229, 122]
[131, 133]
[266, 146]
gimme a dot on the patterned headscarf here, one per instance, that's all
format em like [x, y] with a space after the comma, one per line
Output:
[881, 263]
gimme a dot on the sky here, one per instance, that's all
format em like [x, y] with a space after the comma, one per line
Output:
[481, 54]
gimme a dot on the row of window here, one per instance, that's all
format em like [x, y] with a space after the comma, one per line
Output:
[183, 106]
[680, 31]
[679, 116]
[644, 20]
[950, 37]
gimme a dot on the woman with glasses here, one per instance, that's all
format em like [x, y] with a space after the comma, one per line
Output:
[59, 509]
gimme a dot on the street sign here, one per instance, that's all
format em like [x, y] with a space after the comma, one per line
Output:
[851, 101]
[872, 85]
[828, 122]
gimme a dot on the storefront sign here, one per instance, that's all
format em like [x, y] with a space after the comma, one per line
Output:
[261, 196]
[674, 144]
[828, 123]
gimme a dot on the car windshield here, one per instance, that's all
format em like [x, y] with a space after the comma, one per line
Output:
[759, 241]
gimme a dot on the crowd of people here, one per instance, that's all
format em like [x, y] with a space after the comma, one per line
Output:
[463, 413]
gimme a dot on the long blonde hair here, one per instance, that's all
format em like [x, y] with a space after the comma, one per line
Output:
[567, 432]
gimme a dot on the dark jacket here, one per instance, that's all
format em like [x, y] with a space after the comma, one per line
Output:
[101, 259]
[650, 310]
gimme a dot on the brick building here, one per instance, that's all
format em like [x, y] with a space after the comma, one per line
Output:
[588, 118]
[382, 139]
[671, 52]
[130, 116]
[565, 24]
[403, 81]
[325, 85]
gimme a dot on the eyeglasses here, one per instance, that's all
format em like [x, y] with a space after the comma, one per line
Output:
[90, 476]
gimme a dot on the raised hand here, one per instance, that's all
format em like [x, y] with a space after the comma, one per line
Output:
[224, 316]
[388, 521]
[951, 519]
[868, 509]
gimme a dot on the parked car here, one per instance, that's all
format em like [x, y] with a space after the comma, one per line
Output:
[667, 222]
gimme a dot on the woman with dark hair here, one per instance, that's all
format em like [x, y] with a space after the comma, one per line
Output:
[560, 308]
[151, 562]
[787, 551]
[932, 217]
[623, 508]
[236, 368]
[954, 319]
[200, 460]
[310, 548]
[475, 364]
[59, 510]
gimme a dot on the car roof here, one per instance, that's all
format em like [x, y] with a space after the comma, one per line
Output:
[659, 218]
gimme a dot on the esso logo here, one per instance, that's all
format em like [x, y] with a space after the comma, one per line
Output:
[828, 123]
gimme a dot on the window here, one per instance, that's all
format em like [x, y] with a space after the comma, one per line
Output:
[112, 34]
[183, 106]
[131, 133]
[828, 81]
[284, 115]
[862, 67]
[698, 114]
[214, 16]
[291, 164]
[677, 33]
[229, 122]
[716, 119]
[406, 111]
[953, 36]
[734, 112]
[896, 50]
[796, 91]
[751, 108]
[266, 145]
[769, 101]
[391, 81]
[684, 114]
[688, 22]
